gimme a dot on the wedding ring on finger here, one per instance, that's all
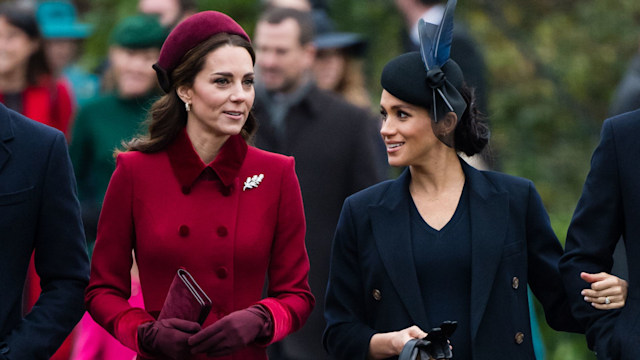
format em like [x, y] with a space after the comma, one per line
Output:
[606, 300]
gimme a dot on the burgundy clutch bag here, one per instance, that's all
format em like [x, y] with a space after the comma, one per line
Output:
[185, 300]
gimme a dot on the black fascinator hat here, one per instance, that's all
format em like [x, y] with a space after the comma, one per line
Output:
[429, 78]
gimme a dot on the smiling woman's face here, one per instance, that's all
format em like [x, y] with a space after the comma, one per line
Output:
[406, 131]
[222, 93]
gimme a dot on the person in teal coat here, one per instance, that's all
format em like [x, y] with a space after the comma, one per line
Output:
[104, 123]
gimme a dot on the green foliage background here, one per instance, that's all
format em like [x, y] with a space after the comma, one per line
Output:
[552, 69]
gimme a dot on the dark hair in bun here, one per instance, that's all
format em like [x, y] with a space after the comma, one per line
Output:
[472, 132]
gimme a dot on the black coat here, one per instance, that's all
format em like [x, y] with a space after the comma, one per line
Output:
[373, 285]
[39, 211]
[608, 208]
[338, 151]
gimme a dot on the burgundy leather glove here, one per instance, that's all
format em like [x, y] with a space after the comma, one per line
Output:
[233, 332]
[167, 337]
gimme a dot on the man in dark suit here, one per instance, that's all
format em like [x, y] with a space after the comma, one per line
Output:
[336, 145]
[40, 214]
[608, 208]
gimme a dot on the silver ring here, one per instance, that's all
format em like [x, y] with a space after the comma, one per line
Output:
[606, 300]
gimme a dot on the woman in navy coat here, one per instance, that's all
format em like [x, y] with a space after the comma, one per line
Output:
[444, 241]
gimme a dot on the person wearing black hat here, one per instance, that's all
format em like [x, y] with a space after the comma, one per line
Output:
[444, 241]
[191, 194]
[338, 65]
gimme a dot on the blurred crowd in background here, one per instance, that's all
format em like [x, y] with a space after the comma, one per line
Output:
[86, 68]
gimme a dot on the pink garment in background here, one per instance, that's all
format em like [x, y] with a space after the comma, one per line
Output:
[93, 342]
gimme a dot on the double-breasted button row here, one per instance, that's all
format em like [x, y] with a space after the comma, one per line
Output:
[515, 283]
[377, 295]
[519, 338]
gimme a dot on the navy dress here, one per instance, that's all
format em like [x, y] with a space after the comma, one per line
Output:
[443, 266]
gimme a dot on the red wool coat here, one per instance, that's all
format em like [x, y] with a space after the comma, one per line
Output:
[175, 211]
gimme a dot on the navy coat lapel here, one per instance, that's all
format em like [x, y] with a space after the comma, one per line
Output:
[489, 220]
[6, 134]
[391, 229]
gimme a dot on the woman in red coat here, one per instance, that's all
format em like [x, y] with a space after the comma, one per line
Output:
[193, 194]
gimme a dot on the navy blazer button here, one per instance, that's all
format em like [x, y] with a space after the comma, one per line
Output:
[184, 230]
[222, 272]
[186, 190]
[4, 348]
[377, 295]
[519, 338]
[515, 282]
[222, 231]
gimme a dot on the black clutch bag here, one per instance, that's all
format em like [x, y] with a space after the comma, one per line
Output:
[185, 300]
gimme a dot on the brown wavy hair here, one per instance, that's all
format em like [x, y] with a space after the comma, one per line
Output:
[167, 116]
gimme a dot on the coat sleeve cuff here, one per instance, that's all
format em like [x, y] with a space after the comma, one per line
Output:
[280, 317]
[126, 327]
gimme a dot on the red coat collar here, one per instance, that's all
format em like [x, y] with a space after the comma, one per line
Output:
[187, 165]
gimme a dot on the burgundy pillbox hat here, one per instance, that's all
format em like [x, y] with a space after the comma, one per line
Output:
[187, 35]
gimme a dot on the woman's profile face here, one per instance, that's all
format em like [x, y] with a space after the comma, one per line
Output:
[406, 131]
[15, 47]
[222, 93]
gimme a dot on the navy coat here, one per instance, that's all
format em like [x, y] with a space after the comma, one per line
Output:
[373, 285]
[38, 210]
[608, 208]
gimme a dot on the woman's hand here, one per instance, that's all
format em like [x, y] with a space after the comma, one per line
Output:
[384, 345]
[232, 333]
[167, 337]
[607, 291]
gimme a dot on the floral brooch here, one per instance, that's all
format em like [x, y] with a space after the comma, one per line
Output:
[253, 182]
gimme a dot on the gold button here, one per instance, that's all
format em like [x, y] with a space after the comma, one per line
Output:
[519, 338]
[515, 282]
[376, 294]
